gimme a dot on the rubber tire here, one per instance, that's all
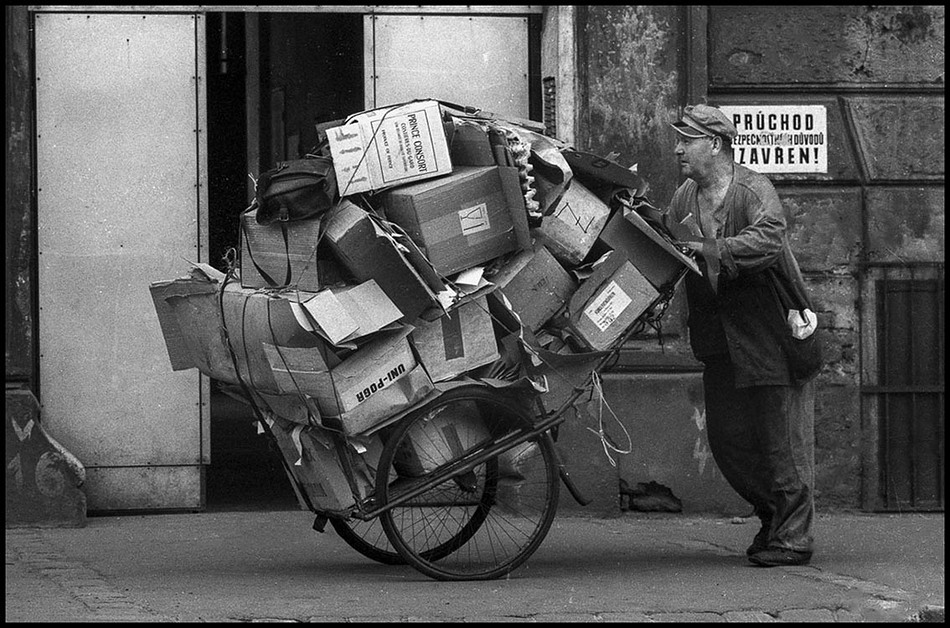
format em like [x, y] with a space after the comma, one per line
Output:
[426, 561]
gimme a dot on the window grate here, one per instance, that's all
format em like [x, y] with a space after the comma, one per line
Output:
[909, 391]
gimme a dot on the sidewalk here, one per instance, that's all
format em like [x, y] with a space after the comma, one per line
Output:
[271, 566]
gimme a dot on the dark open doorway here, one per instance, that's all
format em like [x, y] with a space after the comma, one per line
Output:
[305, 68]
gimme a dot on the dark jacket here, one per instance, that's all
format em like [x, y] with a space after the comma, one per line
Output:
[743, 318]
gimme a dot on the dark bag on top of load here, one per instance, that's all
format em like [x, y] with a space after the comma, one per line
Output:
[296, 190]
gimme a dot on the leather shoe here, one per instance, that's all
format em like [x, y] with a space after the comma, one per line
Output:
[780, 558]
[760, 542]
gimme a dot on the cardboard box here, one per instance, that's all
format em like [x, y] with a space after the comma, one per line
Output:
[464, 219]
[368, 251]
[202, 289]
[373, 383]
[658, 260]
[313, 458]
[290, 262]
[445, 438]
[609, 301]
[390, 146]
[572, 229]
[536, 285]
[458, 342]
[200, 331]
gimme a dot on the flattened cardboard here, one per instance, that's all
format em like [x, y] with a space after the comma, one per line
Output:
[656, 258]
[464, 219]
[389, 146]
[176, 342]
[313, 459]
[536, 285]
[609, 301]
[458, 342]
[263, 248]
[603, 170]
[367, 251]
[344, 314]
[572, 228]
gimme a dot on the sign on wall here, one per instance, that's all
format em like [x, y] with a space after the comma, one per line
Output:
[779, 138]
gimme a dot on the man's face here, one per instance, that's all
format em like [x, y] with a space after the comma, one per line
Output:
[695, 154]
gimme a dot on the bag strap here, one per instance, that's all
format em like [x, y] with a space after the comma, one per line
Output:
[267, 278]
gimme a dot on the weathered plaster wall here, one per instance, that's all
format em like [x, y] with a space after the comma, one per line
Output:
[879, 71]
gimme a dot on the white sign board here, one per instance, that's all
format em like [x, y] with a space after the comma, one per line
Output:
[780, 139]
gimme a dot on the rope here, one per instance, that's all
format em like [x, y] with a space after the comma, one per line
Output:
[598, 393]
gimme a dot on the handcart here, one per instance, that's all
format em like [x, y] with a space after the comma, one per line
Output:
[467, 485]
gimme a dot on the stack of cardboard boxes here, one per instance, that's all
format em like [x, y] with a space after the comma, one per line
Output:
[456, 238]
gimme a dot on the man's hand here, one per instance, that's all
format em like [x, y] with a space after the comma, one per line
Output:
[690, 245]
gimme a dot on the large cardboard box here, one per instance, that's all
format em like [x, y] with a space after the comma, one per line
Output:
[368, 386]
[199, 328]
[280, 254]
[536, 285]
[658, 260]
[389, 146]
[458, 342]
[609, 301]
[572, 229]
[464, 219]
[368, 251]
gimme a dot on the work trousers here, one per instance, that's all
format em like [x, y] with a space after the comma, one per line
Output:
[762, 439]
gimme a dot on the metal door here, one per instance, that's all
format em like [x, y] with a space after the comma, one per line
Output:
[478, 60]
[120, 203]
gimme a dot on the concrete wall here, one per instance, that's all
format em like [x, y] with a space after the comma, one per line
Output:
[879, 71]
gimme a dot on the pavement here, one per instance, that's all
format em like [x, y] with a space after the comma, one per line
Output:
[270, 566]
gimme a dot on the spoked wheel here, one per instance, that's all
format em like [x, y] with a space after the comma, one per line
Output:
[488, 516]
[368, 538]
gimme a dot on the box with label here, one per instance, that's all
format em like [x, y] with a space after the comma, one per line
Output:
[536, 285]
[280, 254]
[464, 219]
[371, 384]
[609, 301]
[658, 260]
[458, 342]
[368, 251]
[572, 229]
[389, 146]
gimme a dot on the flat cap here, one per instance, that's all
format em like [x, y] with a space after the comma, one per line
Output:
[705, 120]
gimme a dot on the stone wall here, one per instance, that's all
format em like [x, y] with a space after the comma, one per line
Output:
[879, 72]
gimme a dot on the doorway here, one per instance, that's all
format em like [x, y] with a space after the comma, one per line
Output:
[272, 78]
[306, 68]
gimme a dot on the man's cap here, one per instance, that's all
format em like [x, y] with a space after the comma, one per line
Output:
[704, 121]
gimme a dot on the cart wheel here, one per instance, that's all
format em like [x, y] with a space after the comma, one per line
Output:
[368, 538]
[484, 520]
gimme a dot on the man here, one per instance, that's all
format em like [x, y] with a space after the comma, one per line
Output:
[760, 424]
